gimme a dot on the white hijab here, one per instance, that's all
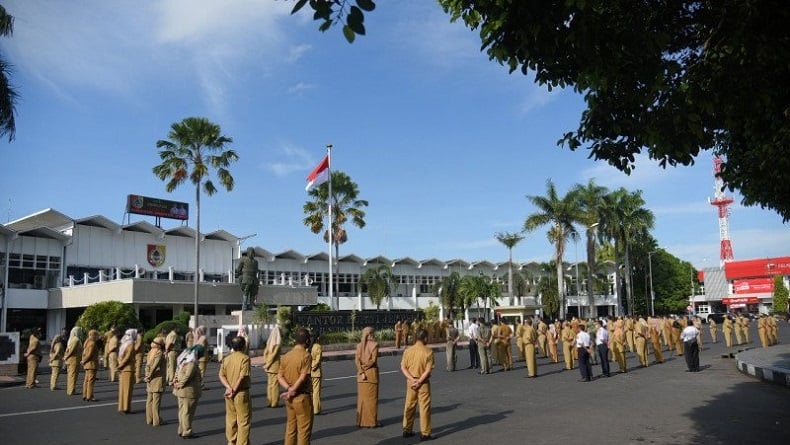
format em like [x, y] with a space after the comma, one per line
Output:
[127, 340]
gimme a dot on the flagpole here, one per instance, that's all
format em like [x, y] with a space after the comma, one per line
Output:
[329, 203]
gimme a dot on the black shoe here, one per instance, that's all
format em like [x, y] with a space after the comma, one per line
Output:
[424, 438]
[407, 434]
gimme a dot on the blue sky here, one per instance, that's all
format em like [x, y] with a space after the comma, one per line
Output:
[444, 144]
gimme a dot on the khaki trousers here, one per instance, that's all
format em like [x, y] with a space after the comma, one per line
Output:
[728, 337]
[629, 338]
[153, 401]
[567, 354]
[532, 363]
[423, 396]
[138, 368]
[316, 395]
[186, 411]
[657, 349]
[171, 367]
[88, 383]
[272, 390]
[113, 359]
[299, 423]
[618, 350]
[53, 380]
[32, 369]
[125, 386]
[641, 350]
[71, 378]
[238, 414]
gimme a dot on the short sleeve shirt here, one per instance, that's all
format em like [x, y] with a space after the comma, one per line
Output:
[295, 363]
[236, 365]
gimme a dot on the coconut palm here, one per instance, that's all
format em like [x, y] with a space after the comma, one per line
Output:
[8, 94]
[590, 197]
[559, 212]
[474, 288]
[380, 282]
[346, 206]
[509, 240]
[193, 148]
[623, 218]
[448, 291]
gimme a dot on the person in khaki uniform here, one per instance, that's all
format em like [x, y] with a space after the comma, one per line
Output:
[271, 364]
[714, 330]
[666, 332]
[677, 327]
[316, 354]
[234, 374]
[543, 341]
[398, 335]
[202, 340]
[737, 326]
[105, 349]
[112, 356]
[762, 330]
[640, 341]
[530, 338]
[553, 338]
[727, 330]
[171, 352]
[629, 332]
[139, 352]
[484, 347]
[72, 358]
[90, 363]
[56, 350]
[568, 343]
[187, 388]
[417, 365]
[520, 340]
[618, 347]
[126, 371]
[506, 348]
[655, 339]
[745, 329]
[33, 357]
[294, 378]
[154, 382]
[366, 359]
[496, 359]
[189, 338]
[773, 331]
[698, 324]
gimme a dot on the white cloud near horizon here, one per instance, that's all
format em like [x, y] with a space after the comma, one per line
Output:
[292, 159]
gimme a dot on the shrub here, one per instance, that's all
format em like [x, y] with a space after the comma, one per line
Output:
[181, 328]
[106, 314]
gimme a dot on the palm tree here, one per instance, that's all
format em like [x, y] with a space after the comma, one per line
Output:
[474, 288]
[559, 213]
[345, 205]
[590, 198]
[194, 146]
[380, 282]
[8, 94]
[623, 217]
[509, 240]
[447, 289]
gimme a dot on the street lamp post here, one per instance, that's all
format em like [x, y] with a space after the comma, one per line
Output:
[652, 292]
[578, 291]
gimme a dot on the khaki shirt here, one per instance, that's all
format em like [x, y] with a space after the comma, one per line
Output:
[235, 366]
[154, 371]
[90, 354]
[295, 363]
[316, 353]
[530, 335]
[417, 359]
[189, 376]
[56, 357]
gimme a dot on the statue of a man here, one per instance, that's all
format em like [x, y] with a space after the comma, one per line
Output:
[248, 272]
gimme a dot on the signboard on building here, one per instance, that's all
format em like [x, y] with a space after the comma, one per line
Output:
[143, 205]
[753, 286]
[740, 300]
[156, 254]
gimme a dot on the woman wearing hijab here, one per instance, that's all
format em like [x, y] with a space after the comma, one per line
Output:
[201, 340]
[126, 370]
[72, 357]
[154, 382]
[316, 353]
[56, 351]
[187, 387]
[367, 380]
[552, 339]
[90, 364]
[271, 364]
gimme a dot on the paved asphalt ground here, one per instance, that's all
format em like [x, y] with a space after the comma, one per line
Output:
[660, 404]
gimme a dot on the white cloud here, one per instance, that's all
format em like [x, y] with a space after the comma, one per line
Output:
[536, 97]
[296, 52]
[293, 159]
[301, 87]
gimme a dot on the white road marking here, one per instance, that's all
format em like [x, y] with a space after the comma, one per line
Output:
[70, 408]
[353, 376]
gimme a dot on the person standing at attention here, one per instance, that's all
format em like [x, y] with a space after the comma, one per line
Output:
[90, 363]
[450, 350]
[139, 352]
[530, 340]
[234, 374]
[271, 364]
[484, 347]
[316, 354]
[56, 350]
[33, 357]
[398, 334]
[187, 388]
[154, 382]
[171, 352]
[72, 357]
[417, 365]
[294, 378]
[112, 355]
[714, 330]
[473, 332]
[568, 344]
[602, 345]
[126, 371]
[583, 346]
[366, 359]
[201, 340]
[690, 347]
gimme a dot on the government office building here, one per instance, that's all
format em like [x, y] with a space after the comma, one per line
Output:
[54, 266]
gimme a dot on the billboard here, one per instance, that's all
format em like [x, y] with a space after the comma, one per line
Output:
[143, 205]
[753, 286]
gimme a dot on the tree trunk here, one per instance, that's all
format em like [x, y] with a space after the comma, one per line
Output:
[591, 272]
[197, 253]
[560, 289]
[510, 275]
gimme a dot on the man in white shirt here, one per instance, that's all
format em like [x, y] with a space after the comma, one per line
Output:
[602, 345]
[583, 346]
[690, 347]
[473, 332]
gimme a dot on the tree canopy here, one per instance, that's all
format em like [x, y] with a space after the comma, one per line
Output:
[670, 79]
[106, 314]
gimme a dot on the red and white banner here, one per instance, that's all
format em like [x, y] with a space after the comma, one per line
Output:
[753, 286]
[742, 300]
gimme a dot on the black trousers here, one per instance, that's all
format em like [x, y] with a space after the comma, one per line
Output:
[603, 354]
[585, 367]
[474, 357]
[691, 352]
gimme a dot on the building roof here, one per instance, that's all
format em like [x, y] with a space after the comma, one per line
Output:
[45, 218]
[99, 221]
[223, 236]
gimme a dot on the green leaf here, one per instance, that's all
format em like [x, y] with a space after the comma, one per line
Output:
[355, 19]
[367, 5]
[349, 34]
[298, 6]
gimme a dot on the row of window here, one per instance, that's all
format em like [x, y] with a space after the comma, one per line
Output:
[30, 261]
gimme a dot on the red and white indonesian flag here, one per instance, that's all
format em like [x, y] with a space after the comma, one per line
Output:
[319, 175]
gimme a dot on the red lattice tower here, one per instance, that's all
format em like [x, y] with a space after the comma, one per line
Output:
[722, 202]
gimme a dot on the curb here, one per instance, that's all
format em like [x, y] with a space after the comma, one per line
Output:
[746, 364]
[8, 381]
